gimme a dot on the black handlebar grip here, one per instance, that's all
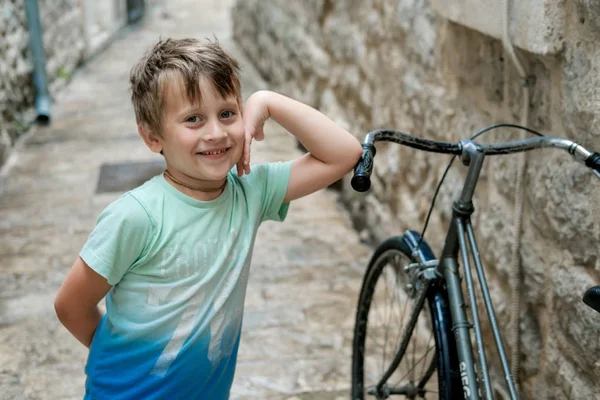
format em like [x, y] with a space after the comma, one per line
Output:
[361, 181]
[593, 161]
[591, 297]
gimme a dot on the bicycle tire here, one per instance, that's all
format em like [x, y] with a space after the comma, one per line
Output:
[444, 358]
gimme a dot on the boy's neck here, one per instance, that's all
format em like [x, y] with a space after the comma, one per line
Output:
[201, 196]
[198, 193]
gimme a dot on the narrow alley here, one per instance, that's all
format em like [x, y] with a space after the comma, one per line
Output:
[306, 273]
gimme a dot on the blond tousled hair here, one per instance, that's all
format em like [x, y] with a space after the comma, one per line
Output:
[187, 61]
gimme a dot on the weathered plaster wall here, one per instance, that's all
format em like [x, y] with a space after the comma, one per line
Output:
[62, 25]
[385, 63]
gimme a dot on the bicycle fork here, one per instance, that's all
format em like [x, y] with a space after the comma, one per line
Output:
[459, 234]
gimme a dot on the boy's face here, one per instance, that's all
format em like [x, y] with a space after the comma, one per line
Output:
[201, 141]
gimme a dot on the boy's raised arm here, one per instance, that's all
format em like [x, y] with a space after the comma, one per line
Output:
[332, 151]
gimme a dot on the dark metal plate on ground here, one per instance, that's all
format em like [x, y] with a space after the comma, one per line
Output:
[127, 176]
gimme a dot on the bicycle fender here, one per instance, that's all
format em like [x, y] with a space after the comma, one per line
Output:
[411, 239]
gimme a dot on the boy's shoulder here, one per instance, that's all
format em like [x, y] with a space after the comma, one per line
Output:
[150, 188]
[122, 218]
[135, 205]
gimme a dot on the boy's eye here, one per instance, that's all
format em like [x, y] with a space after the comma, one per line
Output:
[194, 119]
[227, 114]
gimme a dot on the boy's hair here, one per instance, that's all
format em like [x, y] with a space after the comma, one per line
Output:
[184, 60]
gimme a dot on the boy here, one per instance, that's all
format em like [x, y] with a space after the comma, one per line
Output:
[172, 256]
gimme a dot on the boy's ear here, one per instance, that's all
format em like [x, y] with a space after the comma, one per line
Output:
[149, 138]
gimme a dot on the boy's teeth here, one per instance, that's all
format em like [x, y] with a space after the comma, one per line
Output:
[212, 152]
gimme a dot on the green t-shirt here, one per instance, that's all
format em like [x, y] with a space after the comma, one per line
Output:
[179, 269]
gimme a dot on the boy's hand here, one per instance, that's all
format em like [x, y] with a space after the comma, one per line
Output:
[255, 114]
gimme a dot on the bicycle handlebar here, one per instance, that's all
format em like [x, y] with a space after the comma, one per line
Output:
[361, 182]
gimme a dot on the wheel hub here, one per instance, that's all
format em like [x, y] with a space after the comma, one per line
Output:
[411, 391]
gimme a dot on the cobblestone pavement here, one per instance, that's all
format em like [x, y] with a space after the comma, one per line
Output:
[306, 272]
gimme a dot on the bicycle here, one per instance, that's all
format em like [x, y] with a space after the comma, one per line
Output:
[403, 269]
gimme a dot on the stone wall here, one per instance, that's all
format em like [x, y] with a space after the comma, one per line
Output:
[64, 42]
[398, 64]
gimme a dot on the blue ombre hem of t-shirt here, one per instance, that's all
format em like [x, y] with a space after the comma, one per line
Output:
[128, 375]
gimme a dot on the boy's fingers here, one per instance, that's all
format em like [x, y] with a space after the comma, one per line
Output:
[247, 163]
[246, 157]
[242, 162]
[248, 142]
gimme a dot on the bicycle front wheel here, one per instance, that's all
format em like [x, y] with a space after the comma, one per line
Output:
[401, 320]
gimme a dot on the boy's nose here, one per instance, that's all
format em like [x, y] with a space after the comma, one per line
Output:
[216, 132]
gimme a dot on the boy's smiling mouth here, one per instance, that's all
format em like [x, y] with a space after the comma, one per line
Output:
[214, 153]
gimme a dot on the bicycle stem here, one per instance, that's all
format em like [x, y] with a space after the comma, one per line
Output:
[472, 156]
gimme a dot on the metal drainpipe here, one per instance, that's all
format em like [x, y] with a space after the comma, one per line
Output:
[40, 79]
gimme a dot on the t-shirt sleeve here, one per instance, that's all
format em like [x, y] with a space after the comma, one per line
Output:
[122, 231]
[273, 179]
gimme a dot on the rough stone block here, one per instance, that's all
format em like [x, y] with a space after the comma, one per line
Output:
[535, 25]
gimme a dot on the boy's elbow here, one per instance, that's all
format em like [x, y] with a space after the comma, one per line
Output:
[65, 311]
[61, 309]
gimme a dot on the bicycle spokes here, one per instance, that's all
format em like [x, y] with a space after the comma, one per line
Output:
[399, 344]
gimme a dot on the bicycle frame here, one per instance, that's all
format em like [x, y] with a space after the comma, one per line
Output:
[461, 239]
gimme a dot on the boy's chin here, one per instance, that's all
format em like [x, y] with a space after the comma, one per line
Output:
[216, 169]
[216, 176]
[220, 174]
